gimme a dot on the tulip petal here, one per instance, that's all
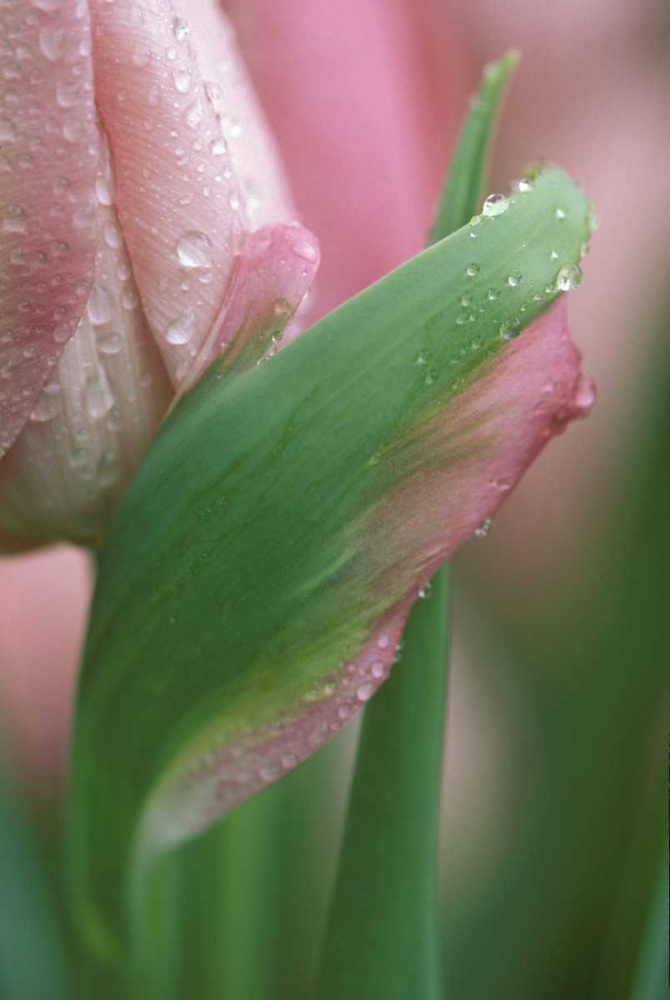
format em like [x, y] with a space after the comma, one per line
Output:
[181, 205]
[249, 140]
[96, 416]
[360, 95]
[48, 161]
[262, 562]
[272, 275]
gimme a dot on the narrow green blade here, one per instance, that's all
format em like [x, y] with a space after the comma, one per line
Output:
[463, 189]
[383, 936]
[282, 522]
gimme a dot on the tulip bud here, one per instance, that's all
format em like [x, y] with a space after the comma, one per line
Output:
[125, 244]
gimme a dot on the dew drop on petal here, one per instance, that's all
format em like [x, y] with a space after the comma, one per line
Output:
[52, 42]
[48, 404]
[194, 249]
[110, 344]
[305, 250]
[182, 80]
[99, 306]
[7, 130]
[181, 329]
[67, 93]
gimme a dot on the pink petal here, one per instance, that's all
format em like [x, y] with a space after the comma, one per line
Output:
[364, 98]
[251, 146]
[460, 470]
[180, 203]
[98, 412]
[48, 159]
[273, 273]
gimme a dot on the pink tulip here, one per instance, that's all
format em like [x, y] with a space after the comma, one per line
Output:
[173, 216]
[142, 199]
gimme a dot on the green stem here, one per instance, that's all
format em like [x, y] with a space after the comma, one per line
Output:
[154, 963]
[256, 888]
[383, 935]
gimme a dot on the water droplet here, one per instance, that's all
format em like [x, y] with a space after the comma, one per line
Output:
[378, 669]
[492, 295]
[506, 331]
[383, 642]
[471, 270]
[182, 80]
[484, 528]
[289, 760]
[52, 43]
[99, 396]
[48, 404]
[514, 279]
[129, 299]
[523, 186]
[194, 115]
[218, 147]
[425, 591]
[585, 396]
[431, 377]
[15, 219]
[560, 214]
[180, 29]
[72, 129]
[7, 130]
[553, 255]
[502, 484]
[422, 358]
[270, 772]
[495, 204]
[592, 220]
[111, 235]
[99, 306]
[365, 691]
[194, 249]
[305, 250]
[104, 191]
[110, 343]
[67, 93]
[569, 278]
[181, 329]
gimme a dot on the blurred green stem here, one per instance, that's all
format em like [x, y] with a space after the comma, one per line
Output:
[383, 934]
[154, 962]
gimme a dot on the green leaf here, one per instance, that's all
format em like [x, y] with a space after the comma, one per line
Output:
[280, 521]
[383, 935]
